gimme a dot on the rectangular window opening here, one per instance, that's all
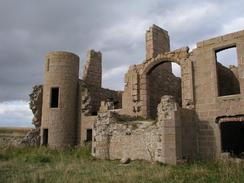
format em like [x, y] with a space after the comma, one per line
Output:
[94, 113]
[227, 71]
[88, 135]
[54, 97]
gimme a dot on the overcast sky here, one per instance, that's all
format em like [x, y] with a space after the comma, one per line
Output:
[29, 29]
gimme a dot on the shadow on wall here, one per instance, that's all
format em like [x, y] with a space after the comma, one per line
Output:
[161, 81]
[206, 139]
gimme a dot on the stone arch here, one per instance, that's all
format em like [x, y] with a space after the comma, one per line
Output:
[186, 79]
[158, 61]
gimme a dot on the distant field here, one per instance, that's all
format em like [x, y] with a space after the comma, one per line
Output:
[8, 134]
[18, 131]
[29, 164]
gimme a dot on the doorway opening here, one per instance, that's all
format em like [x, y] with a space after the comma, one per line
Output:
[232, 138]
[45, 137]
[163, 79]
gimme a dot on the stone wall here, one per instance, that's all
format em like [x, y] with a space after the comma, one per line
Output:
[118, 137]
[36, 104]
[131, 102]
[189, 134]
[157, 41]
[33, 136]
[59, 123]
[92, 96]
[102, 94]
[86, 123]
[208, 104]
[89, 103]
[92, 73]
[140, 80]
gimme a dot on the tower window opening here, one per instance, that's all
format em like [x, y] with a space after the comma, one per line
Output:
[54, 97]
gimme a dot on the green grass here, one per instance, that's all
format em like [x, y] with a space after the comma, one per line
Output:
[29, 164]
[32, 164]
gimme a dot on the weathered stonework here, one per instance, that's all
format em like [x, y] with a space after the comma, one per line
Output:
[92, 73]
[33, 136]
[36, 105]
[159, 140]
[180, 118]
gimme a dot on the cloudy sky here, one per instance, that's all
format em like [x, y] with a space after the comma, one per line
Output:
[29, 29]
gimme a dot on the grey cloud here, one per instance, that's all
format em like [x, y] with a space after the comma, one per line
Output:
[29, 29]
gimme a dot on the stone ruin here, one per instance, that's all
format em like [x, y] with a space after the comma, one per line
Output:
[158, 116]
[33, 137]
[158, 140]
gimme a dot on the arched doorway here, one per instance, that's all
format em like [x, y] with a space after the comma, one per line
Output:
[162, 81]
[158, 80]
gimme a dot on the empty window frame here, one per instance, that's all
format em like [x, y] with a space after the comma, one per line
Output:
[54, 97]
[227, 71]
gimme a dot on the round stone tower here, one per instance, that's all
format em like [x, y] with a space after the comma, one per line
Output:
[59, 110]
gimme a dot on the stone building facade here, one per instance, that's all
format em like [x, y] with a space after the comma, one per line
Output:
[158, 116]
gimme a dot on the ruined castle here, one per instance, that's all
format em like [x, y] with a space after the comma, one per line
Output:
[158, 116]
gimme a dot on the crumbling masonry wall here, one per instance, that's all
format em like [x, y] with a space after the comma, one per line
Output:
[157, 41]
[101, 94]
[33, 137]
[92, 73]
[159, 140]
[138, 85]
[91, 89]
[91, 94]
[90, 98]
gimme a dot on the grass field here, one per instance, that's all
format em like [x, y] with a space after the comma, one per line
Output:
[29, 164]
